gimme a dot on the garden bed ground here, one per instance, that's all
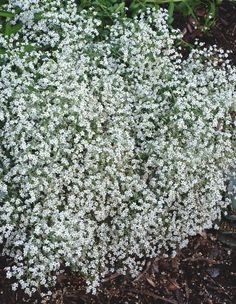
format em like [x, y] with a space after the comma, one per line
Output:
[204, 272]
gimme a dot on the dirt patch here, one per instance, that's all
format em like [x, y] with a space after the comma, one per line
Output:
[222, 34]
[204, 272]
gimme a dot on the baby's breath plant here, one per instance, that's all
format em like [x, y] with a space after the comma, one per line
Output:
[113, 147]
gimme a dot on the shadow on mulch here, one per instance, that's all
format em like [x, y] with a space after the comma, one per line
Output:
[222, 34]
[202, 273]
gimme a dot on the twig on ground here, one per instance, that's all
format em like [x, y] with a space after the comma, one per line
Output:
[153, 295]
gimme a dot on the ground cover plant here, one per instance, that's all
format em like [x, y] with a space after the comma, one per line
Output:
[114, 147]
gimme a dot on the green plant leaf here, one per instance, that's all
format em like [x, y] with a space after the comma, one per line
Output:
[134, 8]
[171, 12]
[29, 48]
[120, 7]
[38, 16]
[6, 14]
[2, 51]
[12, 29]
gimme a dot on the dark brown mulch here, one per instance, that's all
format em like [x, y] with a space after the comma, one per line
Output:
[222, 34]
[202, 273]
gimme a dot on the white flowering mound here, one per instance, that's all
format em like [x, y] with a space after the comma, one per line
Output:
[113, 147]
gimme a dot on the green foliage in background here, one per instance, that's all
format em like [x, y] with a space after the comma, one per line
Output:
[106, 8]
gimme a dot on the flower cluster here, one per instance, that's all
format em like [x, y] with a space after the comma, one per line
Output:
[113, 146]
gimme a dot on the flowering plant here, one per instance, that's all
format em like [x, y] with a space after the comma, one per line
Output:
[113, 146]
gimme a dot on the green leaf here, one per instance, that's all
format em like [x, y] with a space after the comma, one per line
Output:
[120, 7]
[2, 51]
[29, 48]
[12, 29]
[135, 7]
[171, 12]
[38, 16]
[7, 29]
[3, 2]
[6, 14]
[212, 9]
